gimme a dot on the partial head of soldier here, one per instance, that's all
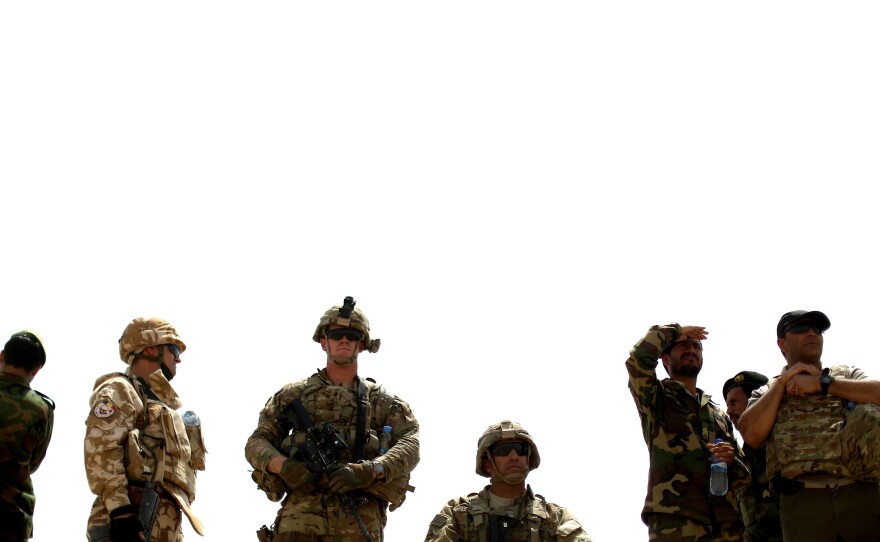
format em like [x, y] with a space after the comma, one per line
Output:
[737, 391]
[800, 336]
[23, 354]
[148, 344]
[344, 332]
[684, 357]
[506, 453]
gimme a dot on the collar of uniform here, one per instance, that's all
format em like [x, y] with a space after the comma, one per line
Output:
[163, 390]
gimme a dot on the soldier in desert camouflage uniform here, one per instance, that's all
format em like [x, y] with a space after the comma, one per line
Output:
[134, 436]
[312, 510]
[821, 427]
[26, 420]
[758, 505]
[680, 424]
[506, 510]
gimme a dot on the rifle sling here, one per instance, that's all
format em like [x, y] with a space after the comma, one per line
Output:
[360, 436]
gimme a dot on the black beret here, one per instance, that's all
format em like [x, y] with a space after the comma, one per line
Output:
[745, 378]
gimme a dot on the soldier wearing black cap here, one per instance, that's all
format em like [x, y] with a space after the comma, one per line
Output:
[821, 427]
[758, 506]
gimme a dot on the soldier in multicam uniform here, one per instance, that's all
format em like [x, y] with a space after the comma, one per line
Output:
[680, 424]
[135, 437]
[313, 510]
[26, 420]
[758, 505]
[821, 427]
[506, 510]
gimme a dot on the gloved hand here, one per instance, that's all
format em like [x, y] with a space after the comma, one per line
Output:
[296, 475]
[125, 529]
[350, 477]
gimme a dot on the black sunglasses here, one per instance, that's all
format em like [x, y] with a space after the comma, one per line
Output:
[803, 327]
[352, 335]
[503, 449]
[175, 350]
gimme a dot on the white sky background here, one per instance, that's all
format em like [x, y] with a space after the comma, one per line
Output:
[513, 192]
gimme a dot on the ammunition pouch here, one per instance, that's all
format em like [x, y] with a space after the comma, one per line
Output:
[391, 491]
[270, 484]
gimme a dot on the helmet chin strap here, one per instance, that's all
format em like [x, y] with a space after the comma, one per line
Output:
[160, 359]
[512, 478]
[341, 361]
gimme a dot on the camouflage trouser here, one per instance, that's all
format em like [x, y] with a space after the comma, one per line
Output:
[850, 513]
[669, 528]
[321, 518]
[167, 528]
[860, 442]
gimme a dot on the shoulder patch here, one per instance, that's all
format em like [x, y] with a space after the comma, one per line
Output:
[104, 408]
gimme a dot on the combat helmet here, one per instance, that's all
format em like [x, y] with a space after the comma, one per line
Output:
[505, 430]
[144, 332]
[347, 315]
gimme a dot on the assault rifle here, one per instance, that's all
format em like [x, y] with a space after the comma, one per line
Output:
[321, 446]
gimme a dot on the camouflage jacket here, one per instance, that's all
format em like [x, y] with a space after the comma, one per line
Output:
[532, 519]
[134, 434]
[26, 421]
[759, 508]
[677, 426]
[326, 402]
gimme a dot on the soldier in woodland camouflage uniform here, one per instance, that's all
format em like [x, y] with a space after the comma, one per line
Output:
[680, 424]
[26, 420]
[312, 510]
[134, 436]
[758, 505]
[821, 427]
[506, 510]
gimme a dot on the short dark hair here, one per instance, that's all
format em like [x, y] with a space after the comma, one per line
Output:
[25, 351]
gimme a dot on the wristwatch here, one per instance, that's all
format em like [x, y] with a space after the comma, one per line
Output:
[825, 380]
[378, 468]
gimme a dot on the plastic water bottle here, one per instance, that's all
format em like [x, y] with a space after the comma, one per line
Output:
[191, 419]
[718, 475]
[385, 439]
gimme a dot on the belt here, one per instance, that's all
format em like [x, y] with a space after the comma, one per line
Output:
[826, 485]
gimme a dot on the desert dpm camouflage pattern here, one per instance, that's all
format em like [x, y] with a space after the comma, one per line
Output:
[824, 434]
[26, 422]
[315, 510]
[677, 426]
[529, 519]
[758, 506]
[134, 434]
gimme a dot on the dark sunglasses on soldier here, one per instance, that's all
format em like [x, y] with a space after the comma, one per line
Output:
[803, 327]
[175, 350]
[352, 335]
[503, 449]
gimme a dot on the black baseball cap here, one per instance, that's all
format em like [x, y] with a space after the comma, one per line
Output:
[748, 379]
[818, 318]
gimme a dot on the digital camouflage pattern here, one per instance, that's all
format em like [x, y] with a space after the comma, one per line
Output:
[127, 420]
[315, 510]
[818, 434]
[677, 426]
[533, 519]
[758, 506]
[26, 422]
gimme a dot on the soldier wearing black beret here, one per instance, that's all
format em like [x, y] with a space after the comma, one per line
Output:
[758, 507]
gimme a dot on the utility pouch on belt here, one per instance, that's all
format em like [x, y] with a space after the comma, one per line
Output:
[264, 534]
[148, 509]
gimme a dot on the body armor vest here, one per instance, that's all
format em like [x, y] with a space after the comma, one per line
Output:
[806, 436]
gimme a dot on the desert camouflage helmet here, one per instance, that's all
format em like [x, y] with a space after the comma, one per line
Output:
[355, 320]
[505, 430]
[144, 332]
